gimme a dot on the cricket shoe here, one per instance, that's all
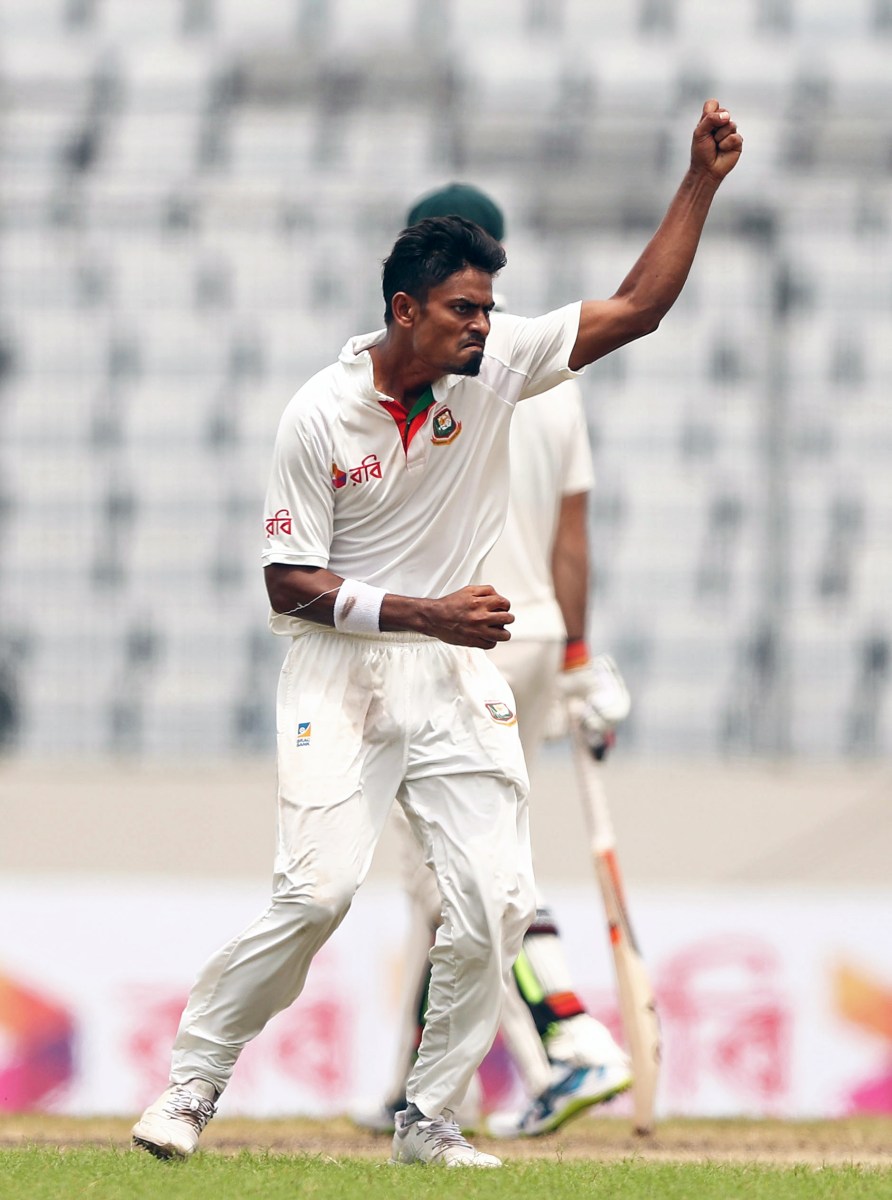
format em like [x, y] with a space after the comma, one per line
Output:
[575, 1089]
[171, 1127]
[437, 1141]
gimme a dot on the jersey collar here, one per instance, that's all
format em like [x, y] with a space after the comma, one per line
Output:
[356, 358]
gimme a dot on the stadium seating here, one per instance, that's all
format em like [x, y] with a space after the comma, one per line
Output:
[196, 196]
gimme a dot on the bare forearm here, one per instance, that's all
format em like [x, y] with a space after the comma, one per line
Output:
[473, 616]
[572, 596]
[570, 564]
[655, 281]
[311, 594]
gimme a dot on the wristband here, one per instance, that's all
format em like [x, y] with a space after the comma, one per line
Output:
[576, 654]
[357, 607]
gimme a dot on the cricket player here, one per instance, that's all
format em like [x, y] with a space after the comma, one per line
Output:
[567, 1061]
[389, 487]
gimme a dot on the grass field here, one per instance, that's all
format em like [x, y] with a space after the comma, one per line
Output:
[44, 1157]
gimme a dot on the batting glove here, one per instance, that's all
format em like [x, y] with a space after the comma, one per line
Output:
[593, 690]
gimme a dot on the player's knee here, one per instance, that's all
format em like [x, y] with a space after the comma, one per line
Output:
[315, 905]
[496, 923]
[476, 947]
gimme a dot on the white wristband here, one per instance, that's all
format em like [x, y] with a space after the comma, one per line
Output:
[357, 607]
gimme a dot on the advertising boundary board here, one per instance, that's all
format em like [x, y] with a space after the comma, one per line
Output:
[772, 1002]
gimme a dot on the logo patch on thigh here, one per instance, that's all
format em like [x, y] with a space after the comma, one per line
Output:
[501, 713]
[304, 733]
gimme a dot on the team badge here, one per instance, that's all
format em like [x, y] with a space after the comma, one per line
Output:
[304, 732]
[502, 713]
[445, 428]
[338, 477]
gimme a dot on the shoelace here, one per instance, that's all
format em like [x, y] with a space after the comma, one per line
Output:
[446, 1133]
[189, 1106]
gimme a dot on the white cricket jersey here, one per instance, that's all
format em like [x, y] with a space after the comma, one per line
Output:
[550, 458]
[345, 494]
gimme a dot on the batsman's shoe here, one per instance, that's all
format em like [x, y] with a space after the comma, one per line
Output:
[437, 1141]
[574, 1090]
[171, 1127]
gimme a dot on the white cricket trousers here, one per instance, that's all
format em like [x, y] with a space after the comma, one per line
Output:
[531, 669]
[359, 721]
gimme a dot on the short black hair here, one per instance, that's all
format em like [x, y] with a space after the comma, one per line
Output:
[427, 253]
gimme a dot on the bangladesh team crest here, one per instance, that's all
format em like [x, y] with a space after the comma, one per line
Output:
[501, 713]
[445, 428]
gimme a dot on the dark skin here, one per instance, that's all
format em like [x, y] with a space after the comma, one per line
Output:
[655, 282]
[570, 563]
[446, 334]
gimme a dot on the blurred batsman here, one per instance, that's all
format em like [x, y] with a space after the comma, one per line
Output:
[388, 489]
[567, 1061]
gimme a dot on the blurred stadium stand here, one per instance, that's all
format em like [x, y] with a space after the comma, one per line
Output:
[195, 196]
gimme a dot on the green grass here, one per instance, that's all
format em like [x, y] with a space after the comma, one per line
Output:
[42, 1173]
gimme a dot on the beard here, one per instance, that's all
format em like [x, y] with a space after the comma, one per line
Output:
[471, 367]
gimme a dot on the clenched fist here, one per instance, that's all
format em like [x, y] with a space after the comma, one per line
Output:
[716, 145]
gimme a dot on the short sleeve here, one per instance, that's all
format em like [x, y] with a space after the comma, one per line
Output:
[534, 351]
[299, 511]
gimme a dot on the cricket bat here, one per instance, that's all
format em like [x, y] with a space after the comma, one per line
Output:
[636, 995]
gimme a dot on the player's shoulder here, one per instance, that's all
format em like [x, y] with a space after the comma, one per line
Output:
[505, 327]
[315, 400]
[508, 335]
[502, 331]
[508, 330]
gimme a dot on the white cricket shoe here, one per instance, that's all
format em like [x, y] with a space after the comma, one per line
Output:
[438, 1141]
[574, 1090]
[171, 1127]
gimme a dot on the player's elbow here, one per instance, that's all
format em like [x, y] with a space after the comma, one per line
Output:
[644, 319]
[606, 326]
[274, 591]
[279, 587]
[277, 601]
[652, 324]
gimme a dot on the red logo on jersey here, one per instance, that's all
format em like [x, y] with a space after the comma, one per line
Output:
[369, 468]
[280, 523]
[445, 428]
